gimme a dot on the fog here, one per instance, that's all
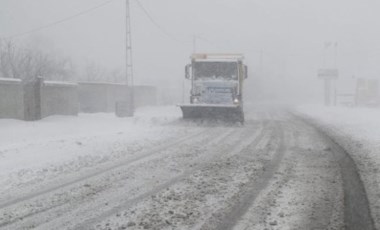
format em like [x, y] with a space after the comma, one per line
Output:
[242, 114]
[284, 42]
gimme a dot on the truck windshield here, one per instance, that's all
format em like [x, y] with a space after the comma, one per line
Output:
[215, 70]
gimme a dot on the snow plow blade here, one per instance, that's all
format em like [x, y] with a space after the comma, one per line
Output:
[213, 112]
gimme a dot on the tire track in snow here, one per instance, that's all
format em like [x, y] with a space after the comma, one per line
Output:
[248, 141]
[357, 212]
[143, 155]
[193, 137]
[227, 218]
[305, 192]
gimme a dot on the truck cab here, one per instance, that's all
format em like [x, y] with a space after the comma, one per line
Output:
[216, 86]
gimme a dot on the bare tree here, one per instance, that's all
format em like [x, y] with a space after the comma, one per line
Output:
[94, 72]
[117, 76]
[28, 64]
[8, 59]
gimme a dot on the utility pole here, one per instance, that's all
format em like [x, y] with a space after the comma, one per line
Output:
[329, 74]
[128, 56]
[194, 43]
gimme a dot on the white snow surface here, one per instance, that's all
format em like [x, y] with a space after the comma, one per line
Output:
[57, 144]
[357, 130]
[16, 80]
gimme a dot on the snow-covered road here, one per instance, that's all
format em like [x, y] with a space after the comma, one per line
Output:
[357, 130]
[155, 171]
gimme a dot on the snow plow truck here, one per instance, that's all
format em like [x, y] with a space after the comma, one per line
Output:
[216, 87]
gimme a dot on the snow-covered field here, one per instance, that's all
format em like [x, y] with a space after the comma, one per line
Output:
[357, 130]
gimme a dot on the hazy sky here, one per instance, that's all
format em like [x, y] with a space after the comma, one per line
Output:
[291, 34]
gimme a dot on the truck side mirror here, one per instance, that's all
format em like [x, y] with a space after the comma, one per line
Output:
[187, 71]
[245, 72]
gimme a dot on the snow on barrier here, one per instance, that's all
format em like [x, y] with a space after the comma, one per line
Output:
[37, 99]
[59, 98]
[11, 98]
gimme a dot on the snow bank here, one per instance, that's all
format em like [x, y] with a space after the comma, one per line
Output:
[358, 131]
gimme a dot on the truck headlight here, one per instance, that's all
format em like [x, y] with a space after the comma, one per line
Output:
[195, 100]
[236, 101]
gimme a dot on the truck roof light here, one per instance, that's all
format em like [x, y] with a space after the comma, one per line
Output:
[217, 56]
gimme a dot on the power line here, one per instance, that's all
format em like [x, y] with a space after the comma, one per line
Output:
[60, 21]
[163, 30]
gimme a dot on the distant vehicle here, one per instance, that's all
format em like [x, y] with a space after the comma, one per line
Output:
[216, 87]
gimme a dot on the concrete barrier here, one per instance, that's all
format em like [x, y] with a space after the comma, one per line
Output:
[117, 93]
[11, 98]
[101, 97]
[59, 98]
[38, 99]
